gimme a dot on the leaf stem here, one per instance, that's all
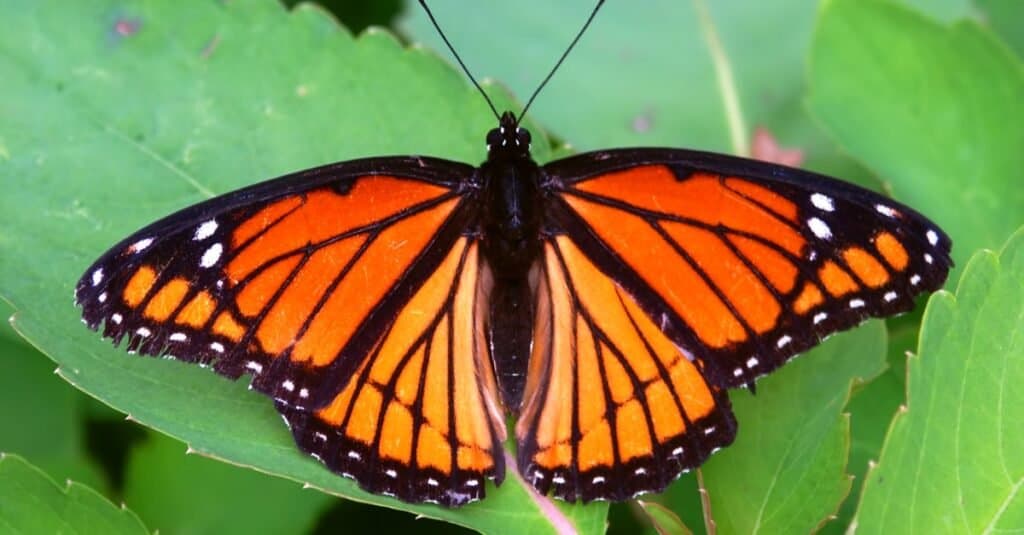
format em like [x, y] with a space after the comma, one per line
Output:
[726, 83]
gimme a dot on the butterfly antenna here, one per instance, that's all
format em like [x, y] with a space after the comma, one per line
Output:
[457, 58]
[561, 59]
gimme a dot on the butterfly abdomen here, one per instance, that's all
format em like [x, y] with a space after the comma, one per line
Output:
[511, 334]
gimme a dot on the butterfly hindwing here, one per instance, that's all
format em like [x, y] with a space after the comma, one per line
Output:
[419, 420]
[281, 279]
[744, 263]
[612, 407]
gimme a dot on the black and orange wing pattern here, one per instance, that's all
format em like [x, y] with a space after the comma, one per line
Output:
[612, 407]
[741, 263]
[357, 297]
[670, 276]
[418, 420]
[302, 282]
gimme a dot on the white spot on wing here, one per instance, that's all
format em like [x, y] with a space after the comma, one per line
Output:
[143, 332]
[211, 256]
[784, 341]
[820, 317]
[558, 480]
[432, 482]
[928, 258]
[885, 210]
[640, 471]
[256, 367]
[116, 318]
[737, 372]
[353, 454]
[889, 296]
[823, 202]
[751, 362]
[288, 385]
[914, 279]
[598, 479]
[205, 230]
[102, 298]
[320, 436]
[178, 337]
[709, 430]
[97, 276]
[391, 473]
[217, 346]
[933, 237]
[678, 450]
[138, 246]
[304, 393]
[856, 303]
[819, 228]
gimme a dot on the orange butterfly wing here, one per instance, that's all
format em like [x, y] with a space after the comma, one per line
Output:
[612, 407]
[348, 292]
[291, 280]
[742, 263]
[419, 419]
[669, 276]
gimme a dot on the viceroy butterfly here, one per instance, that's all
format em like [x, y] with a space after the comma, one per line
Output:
[397, 308]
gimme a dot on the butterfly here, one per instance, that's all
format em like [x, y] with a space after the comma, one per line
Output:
[397, 309]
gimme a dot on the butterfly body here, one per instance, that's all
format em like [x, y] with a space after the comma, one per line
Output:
[397, 308]
[512, 218]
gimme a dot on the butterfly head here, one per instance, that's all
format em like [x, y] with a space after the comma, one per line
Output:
[509, 140]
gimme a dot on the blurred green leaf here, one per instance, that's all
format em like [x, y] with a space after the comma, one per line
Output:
[951, 462]
[1005, 17]
[30, 502]
[116, 113]
[644, 73]
[162, 482]
[936, 110]
[40, 417]
[786, 472]
[944, 10]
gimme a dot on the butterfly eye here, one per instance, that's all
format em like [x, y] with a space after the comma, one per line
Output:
[494, 138]
[523, 136]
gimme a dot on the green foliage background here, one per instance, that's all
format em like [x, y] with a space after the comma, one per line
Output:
[116, 112]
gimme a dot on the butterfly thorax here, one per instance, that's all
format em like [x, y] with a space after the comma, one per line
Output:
[511, 223]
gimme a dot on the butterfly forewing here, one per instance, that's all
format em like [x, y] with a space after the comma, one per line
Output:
[743, 263]
[280, 279]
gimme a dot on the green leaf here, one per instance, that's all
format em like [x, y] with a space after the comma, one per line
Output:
[39, 414]
[119, 112]
[647, 75]
[871, 409]
[664, 521]
[161, 481]
[933, 109]
[1005, 17]
[786, 472]
[944, 10]
[951, 462]
[30, 502]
